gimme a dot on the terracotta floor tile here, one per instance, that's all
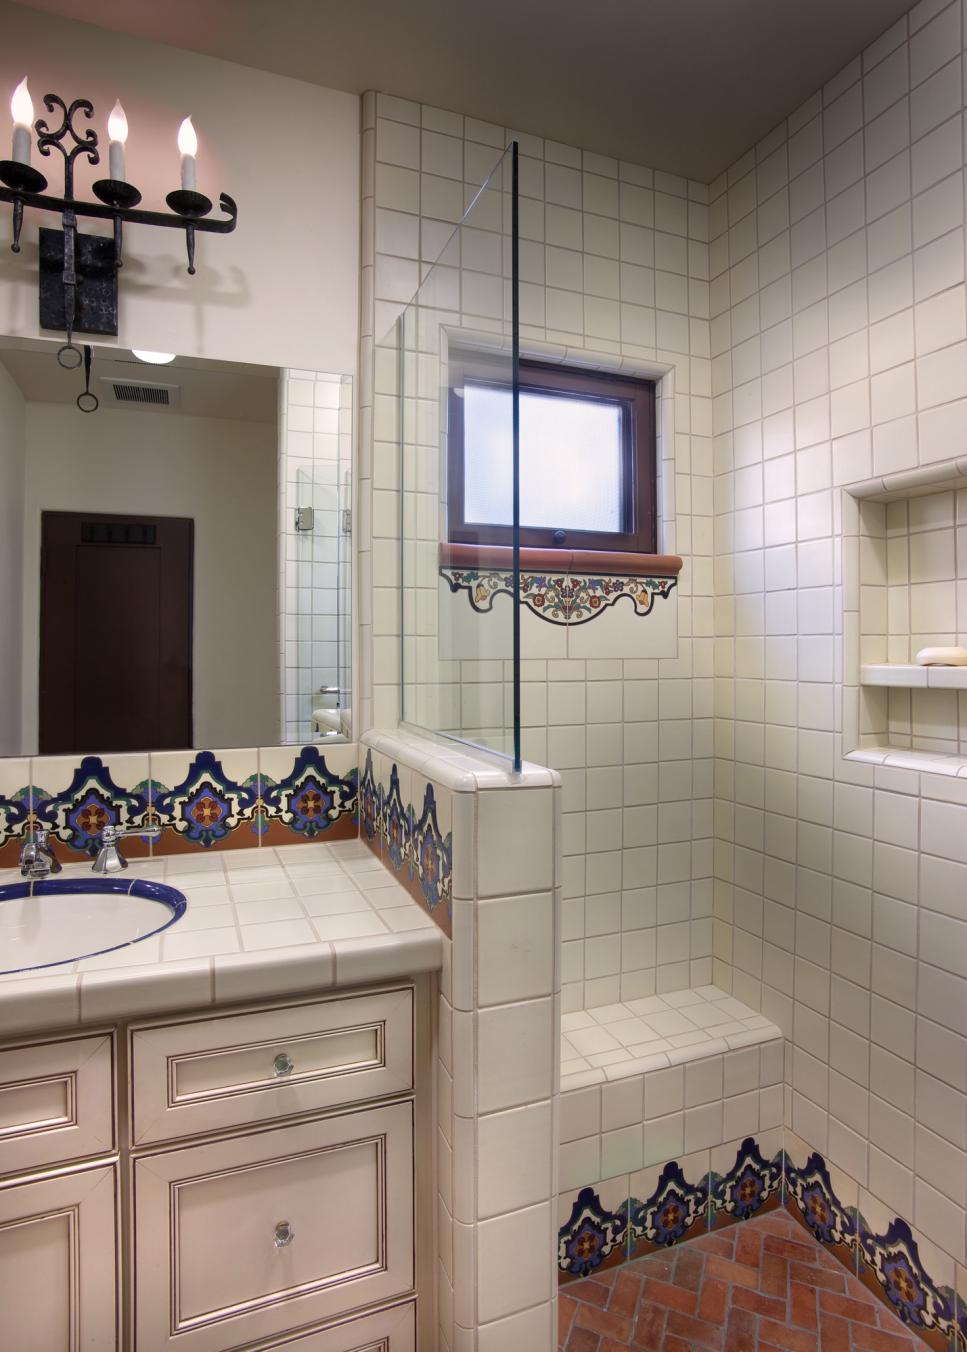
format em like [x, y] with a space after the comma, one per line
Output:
[762, 1285]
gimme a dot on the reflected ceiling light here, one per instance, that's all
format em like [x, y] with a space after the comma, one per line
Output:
[153, 358]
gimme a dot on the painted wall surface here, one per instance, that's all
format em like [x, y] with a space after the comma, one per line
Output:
[838, 329]
[283, 289]
[12, 418]
[614, 264]
[220, 473]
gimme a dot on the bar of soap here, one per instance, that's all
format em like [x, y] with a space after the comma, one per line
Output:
[942, 657]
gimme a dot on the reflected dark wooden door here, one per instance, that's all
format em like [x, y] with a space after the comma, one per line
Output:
[115, 633]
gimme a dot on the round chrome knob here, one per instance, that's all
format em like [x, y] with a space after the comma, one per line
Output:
[284, 1235]
[284, 1064]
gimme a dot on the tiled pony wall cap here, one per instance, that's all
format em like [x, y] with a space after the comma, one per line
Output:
[202, 800]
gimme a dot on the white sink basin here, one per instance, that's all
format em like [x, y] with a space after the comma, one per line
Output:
[57, 920]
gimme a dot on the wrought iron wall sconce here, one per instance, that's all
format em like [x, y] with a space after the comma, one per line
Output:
[78, 272]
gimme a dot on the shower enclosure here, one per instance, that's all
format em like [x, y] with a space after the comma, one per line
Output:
[455, 349]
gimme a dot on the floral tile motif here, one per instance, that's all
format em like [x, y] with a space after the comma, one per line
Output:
[892, 1261]
[752, 1184]
[76, 815]
[591, 1236]
[14, 822]
[559, 598]
[310, 802]
[207, 806]
[413, 844]
[669, 1213]
[810, 1190]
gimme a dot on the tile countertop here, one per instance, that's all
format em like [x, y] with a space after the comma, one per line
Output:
[260, 924]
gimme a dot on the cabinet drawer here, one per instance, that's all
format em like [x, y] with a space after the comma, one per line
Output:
[58, 1263]
[388, 1331]
[56, 1102]
[209, 1074]
[250, 1237]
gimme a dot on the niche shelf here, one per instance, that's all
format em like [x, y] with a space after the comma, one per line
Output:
[911, 676]
[905, 588]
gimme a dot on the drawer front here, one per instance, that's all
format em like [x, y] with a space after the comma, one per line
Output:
[56, 1102]
[58, 1263]
[209, 1074]
[388, 1331]
[249, 1237]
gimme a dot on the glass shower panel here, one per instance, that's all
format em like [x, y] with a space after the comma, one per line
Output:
[457, 345]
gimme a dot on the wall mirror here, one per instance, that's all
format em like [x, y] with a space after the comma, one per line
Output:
[175, 565]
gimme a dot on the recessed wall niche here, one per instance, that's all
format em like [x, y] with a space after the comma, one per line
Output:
[905, 588]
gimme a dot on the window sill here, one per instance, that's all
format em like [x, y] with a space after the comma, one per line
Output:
[591, 561]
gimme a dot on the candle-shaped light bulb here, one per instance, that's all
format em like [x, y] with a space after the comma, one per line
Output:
[22, 108]
[117, 130]
[188, 145]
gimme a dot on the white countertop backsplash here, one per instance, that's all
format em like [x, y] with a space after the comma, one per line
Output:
[260, 923]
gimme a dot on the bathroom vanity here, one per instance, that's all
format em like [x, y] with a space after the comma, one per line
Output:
[234, 1173]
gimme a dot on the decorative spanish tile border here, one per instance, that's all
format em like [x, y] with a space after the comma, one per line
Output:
[594, 1237]
[559, 598]
[310, 803]
[889, 1264]
[76, 815]
[205, 807]
[414, 846]
[753, 1184]
[669, 1214]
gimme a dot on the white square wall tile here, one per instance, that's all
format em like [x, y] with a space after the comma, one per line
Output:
[513, 1271]
[514, 1151]
[515, 948]
[515, 847]
[516, 1045]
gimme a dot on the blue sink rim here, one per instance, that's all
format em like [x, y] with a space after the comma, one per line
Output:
[135, 887]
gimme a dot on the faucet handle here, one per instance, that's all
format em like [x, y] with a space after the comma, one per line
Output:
[111, 834]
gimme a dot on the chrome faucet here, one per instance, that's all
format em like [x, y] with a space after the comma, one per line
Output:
[109, 857]
[37, 858]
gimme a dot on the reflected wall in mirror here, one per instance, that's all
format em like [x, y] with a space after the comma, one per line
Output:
[175, 566]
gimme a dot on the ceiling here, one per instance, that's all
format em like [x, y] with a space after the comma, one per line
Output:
[682, 85]
[203, 388]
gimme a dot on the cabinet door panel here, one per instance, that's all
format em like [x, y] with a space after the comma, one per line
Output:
[56, 1102]
[58, 1263]
[244, 1238]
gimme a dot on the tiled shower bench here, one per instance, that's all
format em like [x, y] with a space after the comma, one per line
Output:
[667, 1104]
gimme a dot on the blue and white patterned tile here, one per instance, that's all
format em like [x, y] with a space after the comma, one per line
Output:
[205, 799]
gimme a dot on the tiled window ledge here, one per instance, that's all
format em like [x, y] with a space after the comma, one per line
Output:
[614, 1042]
[584, 561]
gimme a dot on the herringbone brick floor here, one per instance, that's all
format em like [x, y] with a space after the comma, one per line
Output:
[760, 1284]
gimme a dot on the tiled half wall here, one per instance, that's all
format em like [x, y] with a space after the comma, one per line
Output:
[478, 848]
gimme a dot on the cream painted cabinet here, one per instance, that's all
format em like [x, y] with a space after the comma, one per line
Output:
[269, 1183]
[58, 1263]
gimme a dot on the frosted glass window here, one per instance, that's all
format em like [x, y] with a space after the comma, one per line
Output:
[571, 460]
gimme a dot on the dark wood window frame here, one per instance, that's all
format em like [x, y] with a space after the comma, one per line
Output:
[639, 477]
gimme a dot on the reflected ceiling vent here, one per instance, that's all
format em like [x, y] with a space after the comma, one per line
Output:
[142, 393]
